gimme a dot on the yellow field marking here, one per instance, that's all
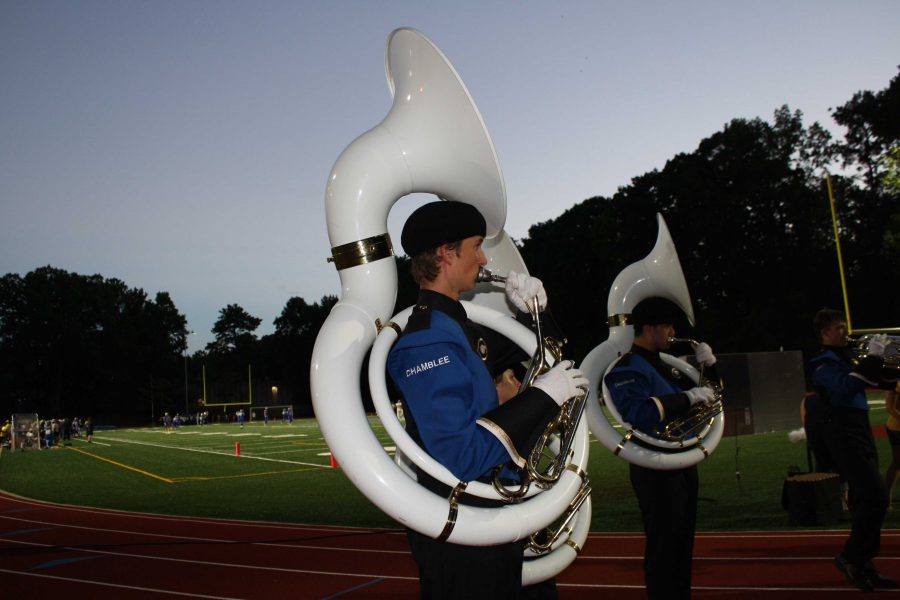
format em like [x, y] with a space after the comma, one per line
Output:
[180, 479]
[118, 464]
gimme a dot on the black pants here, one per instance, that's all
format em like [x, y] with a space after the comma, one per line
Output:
[851, 434]
[668, 501]
[817, 438]
[453, 571]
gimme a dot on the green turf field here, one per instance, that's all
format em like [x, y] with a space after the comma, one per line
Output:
[284, 474]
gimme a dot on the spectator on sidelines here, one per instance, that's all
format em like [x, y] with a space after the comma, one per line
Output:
[48, 433]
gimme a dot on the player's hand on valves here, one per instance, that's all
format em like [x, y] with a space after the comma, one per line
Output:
[704, 355]
[700, 394]
[507, 385]
[521, 289]
[877, 344]
[562, 382]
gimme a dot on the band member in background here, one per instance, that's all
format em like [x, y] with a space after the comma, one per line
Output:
[647, 393]
[444, 366]
[842, 387]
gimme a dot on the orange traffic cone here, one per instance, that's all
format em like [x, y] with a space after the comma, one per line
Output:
[237, 448]
[334, 464]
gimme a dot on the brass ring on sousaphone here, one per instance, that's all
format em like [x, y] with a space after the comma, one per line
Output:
[433, 140]
[658, 274]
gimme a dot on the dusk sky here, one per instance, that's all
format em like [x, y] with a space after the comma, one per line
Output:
[184, 145]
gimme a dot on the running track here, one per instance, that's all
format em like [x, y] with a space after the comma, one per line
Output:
[52, 550]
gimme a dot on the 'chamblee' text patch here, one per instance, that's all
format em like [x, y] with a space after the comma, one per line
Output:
[428, 364]
[619, 384]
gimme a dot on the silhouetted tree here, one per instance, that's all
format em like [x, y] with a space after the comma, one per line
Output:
[233, 330]
[76, 345]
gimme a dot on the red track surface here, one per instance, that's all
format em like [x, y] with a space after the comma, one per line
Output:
[77, 552]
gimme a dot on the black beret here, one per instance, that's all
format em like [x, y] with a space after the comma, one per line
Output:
[655, 311]
[440, 222]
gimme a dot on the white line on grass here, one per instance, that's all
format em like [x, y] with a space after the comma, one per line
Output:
[218, 452]
[93, 442]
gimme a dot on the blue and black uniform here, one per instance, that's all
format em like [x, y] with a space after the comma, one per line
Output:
[840, 387]
[647, 392]
[444, 367]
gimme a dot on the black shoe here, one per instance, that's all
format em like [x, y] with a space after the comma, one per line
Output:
[877, 579]
[855, 574]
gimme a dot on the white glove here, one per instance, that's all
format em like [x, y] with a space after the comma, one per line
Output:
[797, 435]
[521, 289]
[562, 382]
[704, 355]
[877, 344]
[701, 394]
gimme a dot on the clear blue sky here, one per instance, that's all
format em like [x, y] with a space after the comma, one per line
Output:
[184, 146]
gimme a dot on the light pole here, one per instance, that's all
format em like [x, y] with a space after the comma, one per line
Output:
[187, 414]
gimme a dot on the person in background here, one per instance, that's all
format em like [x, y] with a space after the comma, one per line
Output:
[647, 393]
[5, 434]
[841, 386]
[48, 433]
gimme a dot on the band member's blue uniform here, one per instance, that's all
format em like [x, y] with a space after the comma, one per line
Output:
[841, 385]
[647, 392]
[439, 368]
[444, 367]
[640, 375]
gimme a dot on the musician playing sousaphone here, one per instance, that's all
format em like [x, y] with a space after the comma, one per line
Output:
[648, 393]
[451, 400]
[841, 387]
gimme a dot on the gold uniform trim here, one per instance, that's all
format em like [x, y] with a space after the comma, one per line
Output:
[660, 408]
[501, 436]
[361, 252]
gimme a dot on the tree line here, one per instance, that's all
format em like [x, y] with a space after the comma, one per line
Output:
[748, 211]
[750, 216]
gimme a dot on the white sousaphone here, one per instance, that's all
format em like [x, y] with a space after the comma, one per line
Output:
[433, 140]
[658, 274]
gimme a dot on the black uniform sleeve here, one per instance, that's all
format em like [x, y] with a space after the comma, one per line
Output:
[870, 369]
[674, 405]
[519, 422]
